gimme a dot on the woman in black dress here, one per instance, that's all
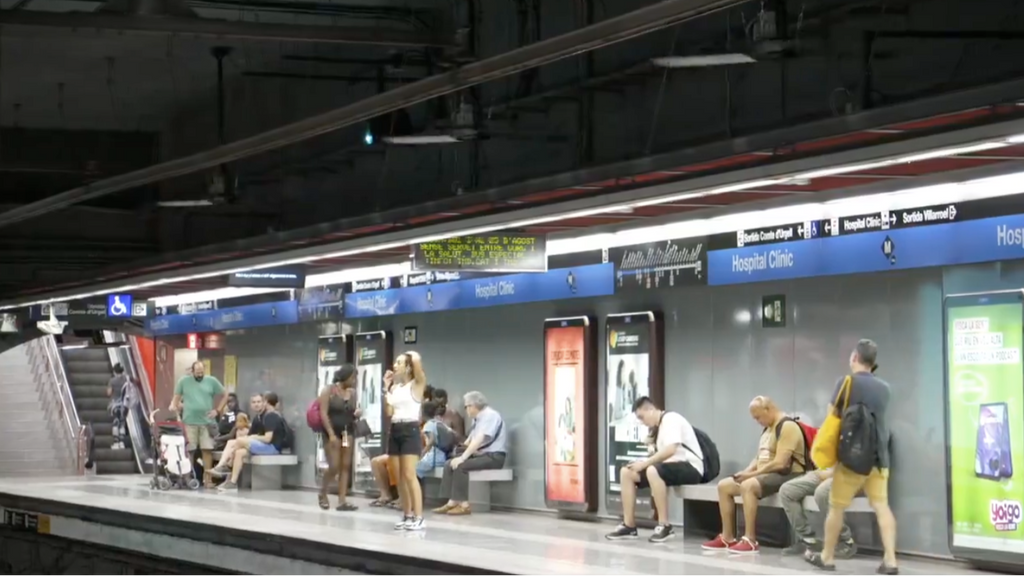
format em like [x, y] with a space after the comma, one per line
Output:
[339, 410]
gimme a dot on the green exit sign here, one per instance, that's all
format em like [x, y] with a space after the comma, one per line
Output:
[773, 311]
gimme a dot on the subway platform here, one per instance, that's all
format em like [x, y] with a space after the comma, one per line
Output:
[286, 533]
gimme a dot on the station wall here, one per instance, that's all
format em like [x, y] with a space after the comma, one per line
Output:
[717, 358]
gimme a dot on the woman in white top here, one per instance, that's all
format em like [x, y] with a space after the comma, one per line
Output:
[406, 387]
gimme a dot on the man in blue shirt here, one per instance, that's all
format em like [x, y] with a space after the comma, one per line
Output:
[484, 449]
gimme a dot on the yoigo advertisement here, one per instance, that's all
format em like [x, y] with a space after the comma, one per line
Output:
[985, 398]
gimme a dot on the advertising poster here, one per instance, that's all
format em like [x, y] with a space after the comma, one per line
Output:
[633, 370]
[373, 359]
[331, 353]
[568, 411]
[985, 384]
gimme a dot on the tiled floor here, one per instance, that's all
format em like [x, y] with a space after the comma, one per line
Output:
[517, 543]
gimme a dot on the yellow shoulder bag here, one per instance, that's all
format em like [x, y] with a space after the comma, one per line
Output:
[825, 451]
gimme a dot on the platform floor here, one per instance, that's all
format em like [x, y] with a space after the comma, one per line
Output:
[504, 542]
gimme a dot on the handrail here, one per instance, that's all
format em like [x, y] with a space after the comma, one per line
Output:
[76, 430]
[147, 390]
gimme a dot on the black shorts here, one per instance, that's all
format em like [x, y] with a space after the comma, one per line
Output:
[404, 439]
[673, 473]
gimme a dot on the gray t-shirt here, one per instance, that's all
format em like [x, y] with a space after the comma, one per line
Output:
[116, 385]
[874, 393]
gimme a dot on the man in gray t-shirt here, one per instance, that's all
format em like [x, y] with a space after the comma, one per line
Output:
[873, 393]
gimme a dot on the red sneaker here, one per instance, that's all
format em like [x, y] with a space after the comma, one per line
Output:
[744, 546]
[718, 543]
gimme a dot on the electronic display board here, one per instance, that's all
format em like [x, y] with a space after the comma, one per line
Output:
[497, 252]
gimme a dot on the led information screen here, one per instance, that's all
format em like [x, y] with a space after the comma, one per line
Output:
[985, 384]
[660, 265]
[570, 450]
[373, 352]
[634, 369]
[281, 277]
[332, 352]
[483, 253]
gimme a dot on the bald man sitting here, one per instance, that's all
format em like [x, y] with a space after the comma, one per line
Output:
[781, 456]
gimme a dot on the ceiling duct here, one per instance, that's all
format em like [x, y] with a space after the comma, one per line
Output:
[148, 8]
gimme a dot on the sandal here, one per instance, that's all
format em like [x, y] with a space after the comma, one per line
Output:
[814, 559]
[393, 504]
[325, 503]
[346, 507]
[379, 503]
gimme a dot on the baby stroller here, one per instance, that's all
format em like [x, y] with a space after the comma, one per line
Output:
[172, 467]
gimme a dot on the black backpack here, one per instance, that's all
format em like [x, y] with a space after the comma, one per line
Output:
[712, 464]
[445, 441]
[858, 440]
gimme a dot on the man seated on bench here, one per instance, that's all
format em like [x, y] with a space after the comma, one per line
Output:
[677, 460]
[267, 437]
[817, 483]
[781, 455]
[484, 449]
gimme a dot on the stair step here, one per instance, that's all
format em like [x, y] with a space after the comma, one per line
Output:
[111, 455]
[10, 395]
[33, 406]
[28, 455]
[35, 473]
[89, 367]
[76, 379]
[89, 391]
[116, 467]
[32, 426]
[86, 354]
[103, 429]
[32, 416]
[94, 416]
[88, 403]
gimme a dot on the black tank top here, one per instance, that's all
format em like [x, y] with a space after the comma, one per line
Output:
[342, 413]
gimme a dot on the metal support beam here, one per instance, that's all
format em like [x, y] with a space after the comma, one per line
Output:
[220, 29]
[636, 23]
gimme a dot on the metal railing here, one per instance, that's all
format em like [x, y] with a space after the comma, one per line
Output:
[147, 389]
[76, 431]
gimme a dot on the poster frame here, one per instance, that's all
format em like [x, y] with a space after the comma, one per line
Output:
[656, 380]
[979, 556]
[386, 363]
[590, 414]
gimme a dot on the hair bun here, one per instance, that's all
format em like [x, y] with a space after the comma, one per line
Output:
[344, 373]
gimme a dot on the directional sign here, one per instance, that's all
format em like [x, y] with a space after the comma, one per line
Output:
[119, 305]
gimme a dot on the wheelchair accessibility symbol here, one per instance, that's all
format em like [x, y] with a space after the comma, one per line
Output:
[119, 305]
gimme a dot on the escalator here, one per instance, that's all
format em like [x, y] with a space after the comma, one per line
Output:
[88, 372]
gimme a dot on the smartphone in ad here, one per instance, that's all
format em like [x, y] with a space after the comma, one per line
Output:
[993, 459]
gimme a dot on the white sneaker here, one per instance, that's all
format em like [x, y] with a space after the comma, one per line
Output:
[415, 524]
[404, 523]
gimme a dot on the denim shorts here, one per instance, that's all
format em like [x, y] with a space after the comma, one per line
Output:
[261, 448]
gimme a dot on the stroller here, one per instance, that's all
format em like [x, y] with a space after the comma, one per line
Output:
[172, 467]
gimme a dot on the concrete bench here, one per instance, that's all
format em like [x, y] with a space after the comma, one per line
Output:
[709, 493]
[480, 485]
[263, 472]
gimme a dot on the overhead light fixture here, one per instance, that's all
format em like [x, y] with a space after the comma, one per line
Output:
[422, 140]
[702, 61]
[689, 194]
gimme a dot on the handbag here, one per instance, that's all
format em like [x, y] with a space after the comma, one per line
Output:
[362, 429]
[825, 451]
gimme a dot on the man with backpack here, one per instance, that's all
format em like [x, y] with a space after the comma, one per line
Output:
[782, 456]
[862, 401]
[679, 458]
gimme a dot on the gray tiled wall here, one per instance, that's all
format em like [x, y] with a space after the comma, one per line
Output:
[717, 358]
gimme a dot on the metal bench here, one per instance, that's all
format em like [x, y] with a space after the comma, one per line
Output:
[480, 485]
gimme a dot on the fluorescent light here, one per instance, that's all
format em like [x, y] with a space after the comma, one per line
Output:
[934, 195]
[207, 295]
[421, 139]
[702, 61]
[357, 274]
[597, 240]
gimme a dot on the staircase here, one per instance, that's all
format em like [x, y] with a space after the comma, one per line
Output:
[33, 426]
[89, 372]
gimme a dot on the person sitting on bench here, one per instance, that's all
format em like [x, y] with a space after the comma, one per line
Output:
[781, 456]
[267, 437]
[484, 449]
[676, 460]
[817, 483]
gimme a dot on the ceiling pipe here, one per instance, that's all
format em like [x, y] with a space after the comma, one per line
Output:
[186, 26]
[642, 21]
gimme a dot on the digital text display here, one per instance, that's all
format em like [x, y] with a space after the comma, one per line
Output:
[485, 253]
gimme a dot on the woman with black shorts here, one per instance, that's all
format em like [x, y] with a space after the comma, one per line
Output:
[406, 389]
[338, 412]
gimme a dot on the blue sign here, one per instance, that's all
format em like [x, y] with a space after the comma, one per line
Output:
[119, 305]
[581, 282]
[967, 242]
[268, 314]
